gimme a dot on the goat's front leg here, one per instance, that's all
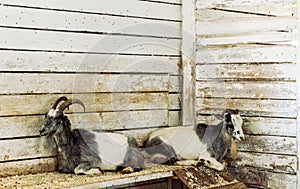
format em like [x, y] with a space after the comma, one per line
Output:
[87, 169]
[187, 163]
[207, 160]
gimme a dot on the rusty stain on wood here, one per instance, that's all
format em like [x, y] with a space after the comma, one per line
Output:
[198, 178]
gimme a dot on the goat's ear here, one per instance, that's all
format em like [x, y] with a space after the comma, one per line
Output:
[227, 117]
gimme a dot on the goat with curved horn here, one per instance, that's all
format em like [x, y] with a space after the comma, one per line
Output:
[82, 151]
[63, 98]
[70, 102]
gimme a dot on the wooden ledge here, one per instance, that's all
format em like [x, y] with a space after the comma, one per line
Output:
[191, 177]
[127, 180]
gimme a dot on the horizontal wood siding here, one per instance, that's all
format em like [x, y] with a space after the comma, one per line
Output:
[121, 58]
[246, 59]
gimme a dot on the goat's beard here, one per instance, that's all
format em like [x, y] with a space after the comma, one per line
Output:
[233, 149]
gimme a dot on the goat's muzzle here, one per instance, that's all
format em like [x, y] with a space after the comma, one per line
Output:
[240, 139]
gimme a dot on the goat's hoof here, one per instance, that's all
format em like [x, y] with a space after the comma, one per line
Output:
[93, 171]
[200, 163]
[127, 170]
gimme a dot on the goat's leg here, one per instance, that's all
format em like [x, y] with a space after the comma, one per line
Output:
[134, 159]
[187, 163]
[161, 152]
[204, 159]
[87, 169]
[211, 162]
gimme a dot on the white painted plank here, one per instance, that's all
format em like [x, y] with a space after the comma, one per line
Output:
[175, 83]
[257, 177]
[20, 126]
[260, 125]
[174, 101]
[270, 126]
[262, 37]
[116, 7]
[270, 144]
[268, 7]
[244, 25]
[247, 54]
[95, 102]
[72, 62]
[84, 83]
[123, 120]
[23, 126]
[174, 118]
[247, 89]
[212, 14]
[27, 167]
[90, 43]
[284, 71]
[26, 148]
[251, 107]
[81, 22]
[277, 163]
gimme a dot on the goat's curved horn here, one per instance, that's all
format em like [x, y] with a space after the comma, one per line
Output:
[70, 102]
[63, 98]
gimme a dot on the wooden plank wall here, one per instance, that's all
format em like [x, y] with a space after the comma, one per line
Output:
[246, 59]
[120, 57]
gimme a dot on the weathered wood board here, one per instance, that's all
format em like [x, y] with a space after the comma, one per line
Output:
[247, 89]
[122, 59]
[246, 59]
[133, 8]
[260, 7]
[247, 54]
[245, 25]
[41, 40]
[259, 178]
[12, 16]
[26, 61]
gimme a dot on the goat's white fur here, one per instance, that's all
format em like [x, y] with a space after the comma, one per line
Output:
[237, 121]
[185, 143]
[107, 143]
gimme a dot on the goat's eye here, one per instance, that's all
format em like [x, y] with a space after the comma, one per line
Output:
[238, 132]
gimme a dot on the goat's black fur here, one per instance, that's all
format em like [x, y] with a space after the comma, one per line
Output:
[78, 149]
[75, 147]
[216, 137]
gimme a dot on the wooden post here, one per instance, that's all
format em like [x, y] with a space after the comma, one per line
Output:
[188, 63]
[298, 91]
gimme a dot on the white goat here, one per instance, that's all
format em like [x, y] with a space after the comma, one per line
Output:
[204, 144]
